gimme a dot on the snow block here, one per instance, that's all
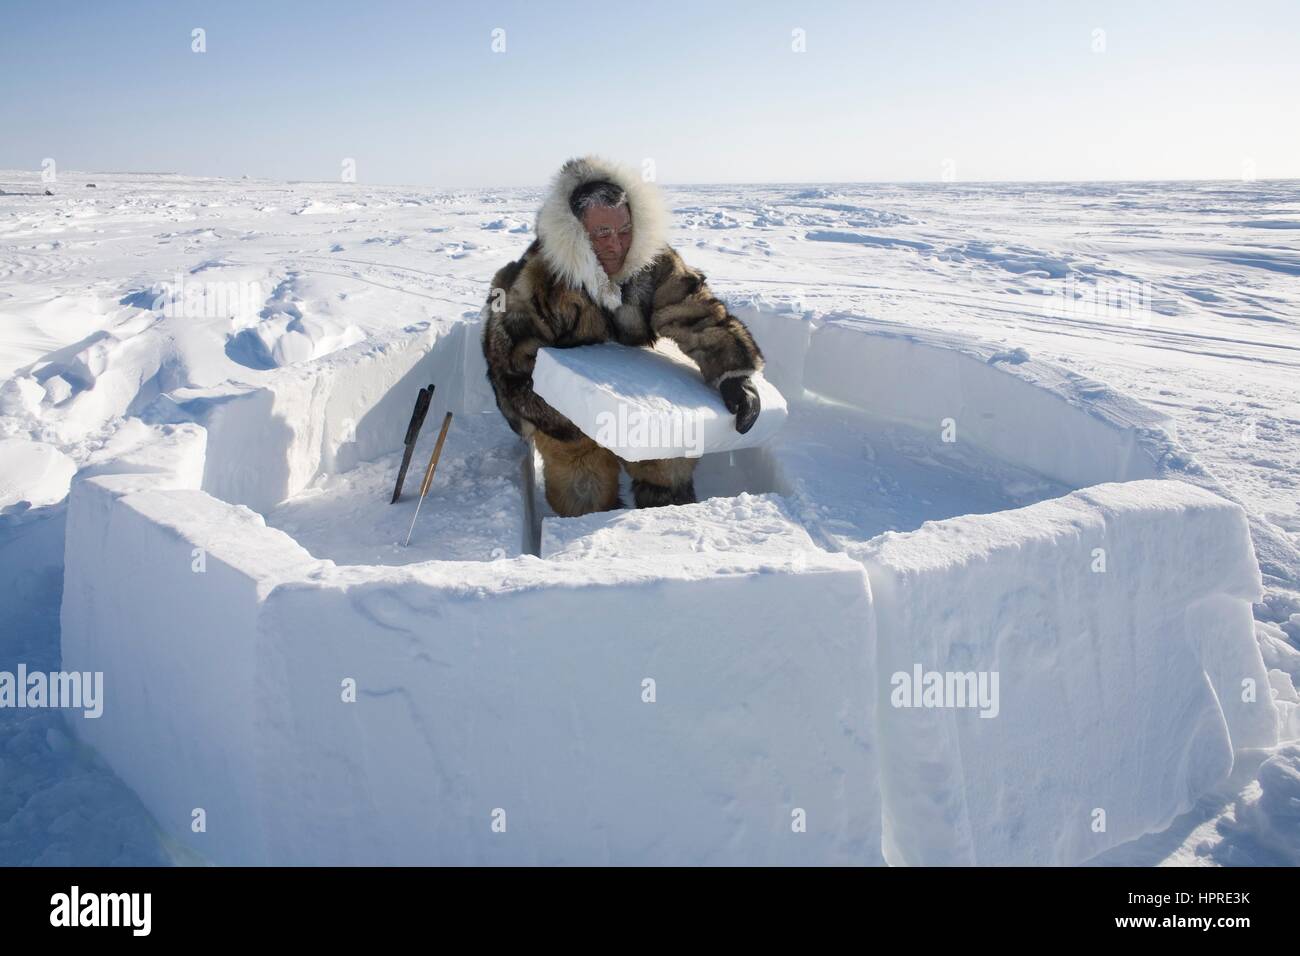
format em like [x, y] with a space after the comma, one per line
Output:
[33, 473]
[1115, 621]
[175, 635]
[592, 726]
[175, 454]
[643, 403]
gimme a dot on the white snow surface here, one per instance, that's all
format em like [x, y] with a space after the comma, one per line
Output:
[644, 403]
[755, 524]
[33, 473]
[198, 348]
[1090, 608]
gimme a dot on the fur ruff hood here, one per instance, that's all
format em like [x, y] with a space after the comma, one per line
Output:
[565, 247]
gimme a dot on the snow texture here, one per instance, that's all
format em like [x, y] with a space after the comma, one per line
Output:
[755, 524]
[1118, 621]
[33, 473]
[956, 408]
[643, 403]
[784, 708]
[242, 706]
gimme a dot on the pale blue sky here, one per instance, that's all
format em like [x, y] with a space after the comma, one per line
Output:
[712, 91]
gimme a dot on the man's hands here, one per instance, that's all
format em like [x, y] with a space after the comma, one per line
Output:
[741, 398]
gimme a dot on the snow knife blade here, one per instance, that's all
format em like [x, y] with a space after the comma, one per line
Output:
[422, 401]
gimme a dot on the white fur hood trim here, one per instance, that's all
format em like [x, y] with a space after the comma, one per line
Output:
[567, 250]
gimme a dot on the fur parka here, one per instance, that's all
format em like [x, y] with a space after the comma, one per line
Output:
[557, 295]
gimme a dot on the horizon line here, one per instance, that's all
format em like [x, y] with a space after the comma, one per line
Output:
[36, 173]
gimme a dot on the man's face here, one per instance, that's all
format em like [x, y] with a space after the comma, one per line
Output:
[610, 232]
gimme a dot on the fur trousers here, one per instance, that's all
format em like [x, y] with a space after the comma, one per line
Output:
[582, 477]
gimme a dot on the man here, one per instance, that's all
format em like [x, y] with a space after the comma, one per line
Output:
[601, 270]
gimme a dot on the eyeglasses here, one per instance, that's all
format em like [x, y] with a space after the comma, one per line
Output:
[604, 232]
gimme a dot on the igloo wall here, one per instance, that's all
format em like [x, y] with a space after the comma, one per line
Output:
[266, 443]
[641, 696]
[1108, 615]
[486, 688]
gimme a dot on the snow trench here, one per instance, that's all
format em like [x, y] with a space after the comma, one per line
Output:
[961, 610]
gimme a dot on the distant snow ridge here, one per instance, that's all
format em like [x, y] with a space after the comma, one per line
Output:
[815, 192]
[954, 612]
[316, 207]
[508, 224]
[697, 217]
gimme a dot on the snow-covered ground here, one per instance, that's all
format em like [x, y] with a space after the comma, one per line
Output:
[1181, 295]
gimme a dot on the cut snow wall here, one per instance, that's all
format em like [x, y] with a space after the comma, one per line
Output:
[1029, 414]
[1118, 622]
[161, 596]
[266, 443]
[269, 442]
[517, 684]
[481, 694]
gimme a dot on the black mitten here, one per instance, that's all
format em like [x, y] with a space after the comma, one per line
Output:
[741, 398]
